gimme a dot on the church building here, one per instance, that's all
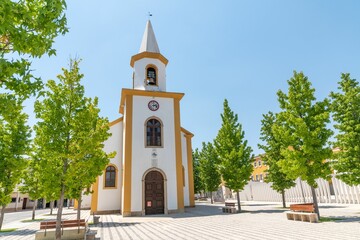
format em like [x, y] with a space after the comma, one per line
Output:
[152, 171]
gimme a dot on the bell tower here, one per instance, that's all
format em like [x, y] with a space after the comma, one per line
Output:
[152, 171]
[149, 65]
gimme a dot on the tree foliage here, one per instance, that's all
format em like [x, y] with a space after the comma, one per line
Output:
[32, 182]
[27, 30]
[198, 184]
[346, 112]
[235, 158]
[71, 135]
[209, 173]
[272, 148]
[302, 130]
[14, 145]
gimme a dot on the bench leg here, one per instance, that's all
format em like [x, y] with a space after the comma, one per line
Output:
[290, 216]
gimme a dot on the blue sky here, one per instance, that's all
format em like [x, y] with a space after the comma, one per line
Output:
[240, 50]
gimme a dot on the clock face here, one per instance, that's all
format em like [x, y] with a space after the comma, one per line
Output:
[153, 105]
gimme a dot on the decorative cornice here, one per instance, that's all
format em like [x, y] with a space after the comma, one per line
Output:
[141, 55]
[126, 92]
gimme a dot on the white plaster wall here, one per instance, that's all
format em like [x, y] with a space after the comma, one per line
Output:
[185, 164]
[86, 201]
[140, 72]
[110, 199]
[141, 156]
[19, 201]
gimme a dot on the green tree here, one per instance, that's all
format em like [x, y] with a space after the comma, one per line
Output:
[208, 164]
[235, 158]
[198, 185]
[346, 112]
[14, 145]
[272, 148]
[32, 183]
[70, 134]
[27, 30]
[302, 130]
[91, 159]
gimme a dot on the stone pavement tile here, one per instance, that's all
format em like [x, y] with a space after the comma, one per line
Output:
[27, 230]
[258, 221]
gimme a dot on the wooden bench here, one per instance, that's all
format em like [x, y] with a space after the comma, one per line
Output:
[229, 207]
[302, 212]
[76, 229]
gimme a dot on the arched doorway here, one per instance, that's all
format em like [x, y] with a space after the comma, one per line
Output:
[154, 193]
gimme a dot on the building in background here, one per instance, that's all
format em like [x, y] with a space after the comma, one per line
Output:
[259, 167]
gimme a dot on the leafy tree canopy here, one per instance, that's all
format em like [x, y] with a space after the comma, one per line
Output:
[209, 173]
[235, 159]
[198, 184]
[346, 112]
[301, 128]
[272, 148]
[27, 30]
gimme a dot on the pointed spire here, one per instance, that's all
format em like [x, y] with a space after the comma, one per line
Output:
[149, 43]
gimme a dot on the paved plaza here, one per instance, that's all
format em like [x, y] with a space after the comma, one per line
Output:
[260, 220]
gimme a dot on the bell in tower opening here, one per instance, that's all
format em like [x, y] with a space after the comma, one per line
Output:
[151, 76]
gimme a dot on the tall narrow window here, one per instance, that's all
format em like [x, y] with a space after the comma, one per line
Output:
[153, 133]
[110, 176]
[151, 76]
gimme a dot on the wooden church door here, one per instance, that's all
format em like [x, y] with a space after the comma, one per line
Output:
[154, 193]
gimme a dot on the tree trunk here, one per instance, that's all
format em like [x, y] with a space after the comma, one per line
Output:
[79, 208]
[59, 214]
[315, 201]
[302, 191]
[238, 201]
[44, 203]
[283, 198]
[34, 208]
[2, 214]
[211, 197]
[51, 207]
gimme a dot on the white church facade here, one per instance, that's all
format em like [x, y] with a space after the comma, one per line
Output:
[152, 171]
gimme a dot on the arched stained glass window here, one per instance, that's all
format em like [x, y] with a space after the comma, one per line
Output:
[153, 133]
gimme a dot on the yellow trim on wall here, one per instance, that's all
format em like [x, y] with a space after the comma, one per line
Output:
[126, 208]
[116, 176]
[130, 92]
[76, 204]
[187, 133]
[190, 167]
[141, 55]
[120, 119]
[178, 154]
[95, 196]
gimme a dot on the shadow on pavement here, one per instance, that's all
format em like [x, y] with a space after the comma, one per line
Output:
[21, 232]
[328, 206]
[343, 219]
[114, 224]
[267, 211]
